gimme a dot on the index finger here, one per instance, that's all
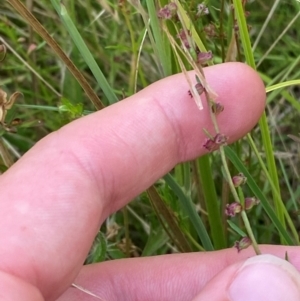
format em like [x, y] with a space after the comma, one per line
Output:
[71, 180]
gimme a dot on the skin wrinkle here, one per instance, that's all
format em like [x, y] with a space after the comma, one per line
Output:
[84, 164]
[82, 168]
[172, 121]
[119, 143]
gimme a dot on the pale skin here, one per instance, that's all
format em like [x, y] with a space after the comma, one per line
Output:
[55, 198]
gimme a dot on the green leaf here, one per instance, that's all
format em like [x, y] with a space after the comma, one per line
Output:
[155, 241]
[188, 206]
[234, 227]
[168, 220]
[99, 249]
[211, 202]
[73, 110]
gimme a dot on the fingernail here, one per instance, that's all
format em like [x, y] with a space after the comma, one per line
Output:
[265, 277]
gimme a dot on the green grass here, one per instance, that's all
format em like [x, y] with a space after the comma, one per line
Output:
[118, 51]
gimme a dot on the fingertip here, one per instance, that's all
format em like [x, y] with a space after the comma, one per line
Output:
[240, 91]
[242, 94]
[263, 277]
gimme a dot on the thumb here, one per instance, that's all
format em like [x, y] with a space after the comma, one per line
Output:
[263, 277]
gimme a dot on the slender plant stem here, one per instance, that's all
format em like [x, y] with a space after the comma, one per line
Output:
[221, 33]
[237, 199]
[250, 232]
[134, 51]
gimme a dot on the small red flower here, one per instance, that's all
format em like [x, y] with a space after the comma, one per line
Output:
[203, 57]
[239, 180]
[202, 9]
[251, 202]
[220, 139]
[199, 88]
[244, 243]
[168, 11]
[210, 145]
[233, 208]
[214, 143]
[217, 108]
[183, 36]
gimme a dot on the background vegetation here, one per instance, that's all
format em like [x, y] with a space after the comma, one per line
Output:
[131, 53]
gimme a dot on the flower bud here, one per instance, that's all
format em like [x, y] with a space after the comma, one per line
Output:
[217, 108]
[250, 202]
[239, 180]
[233, 208]
[244, 243]
[202, 9]
[168, 11]
[183, 36]
[199, 88]
[221, 139]
[214, 144]
[203, 57]
[210, 145]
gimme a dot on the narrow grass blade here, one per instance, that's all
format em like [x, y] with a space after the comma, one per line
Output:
[288, 97]
[259, 194]
[283, 85]
[186, 21]
[25, 63]
[244, 34]
[85, 52]
[211, 201]
[274, 190]
[5, 154]
[288, 185]
[263, 124]
[234, 227]
[166, 215]
[279, 38]
[189, 208]
[37, 26]
[161, 43]
[263, 28]
[156, 240]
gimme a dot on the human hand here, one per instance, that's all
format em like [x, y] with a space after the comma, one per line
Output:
[54, 199]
